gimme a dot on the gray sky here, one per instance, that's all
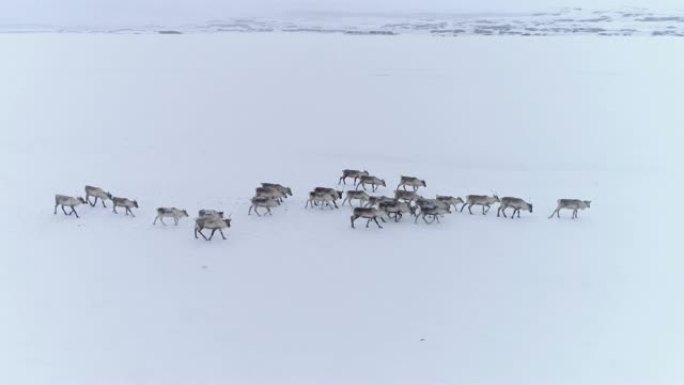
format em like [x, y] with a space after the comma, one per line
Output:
[102, 12]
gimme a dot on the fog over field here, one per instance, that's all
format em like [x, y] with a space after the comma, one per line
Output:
[199, 120]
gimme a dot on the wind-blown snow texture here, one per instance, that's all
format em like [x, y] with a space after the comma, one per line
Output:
[197, 121]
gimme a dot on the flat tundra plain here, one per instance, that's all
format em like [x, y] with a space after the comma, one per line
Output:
[199, 120]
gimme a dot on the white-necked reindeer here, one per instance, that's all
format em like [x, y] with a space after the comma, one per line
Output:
[97, 192]
[128, 204]
[411, 181]
[481, 200]
[213, 224]
[370, 213]
[371, 180]
[516, 204]
[361, 196]
[356, 174]
[570, 204]
[169, 212]
[71, 202]
[263, 202]
[450, 200]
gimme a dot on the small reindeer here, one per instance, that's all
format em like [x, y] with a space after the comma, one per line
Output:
[169, 212]
[370, 213]
[361, 196]
[451, 201]
[570, 204]
[481, 200]
[124, 202]
[371, 180]
[71, 202]
[516, 204]
[411, 181]
[97, 193]
[210, 213]
[434, 212]
[323, 198]
[407, 196]
[213, 224]
[356, 174]
[263, 202]
[286, 191]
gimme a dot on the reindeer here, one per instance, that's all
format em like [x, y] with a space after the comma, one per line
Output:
[283, 190]
[270, 193]
[374, 200]
[452, 201]
[71, 202]
[124, 202]
[516, 204]
[210, 213]
[211, 223]
[264, 202]
[370, 213]
[97, 193]
[165, 212]
[411, 181]
[482, 200]
[361, 196]
[570, 204]
[356, 174]
[371, 180]
[434, 211]
[407, 196]
[396, 209]
[328, 190]
[324, 198]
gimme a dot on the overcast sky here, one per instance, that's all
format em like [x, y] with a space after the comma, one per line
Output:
[95, 12]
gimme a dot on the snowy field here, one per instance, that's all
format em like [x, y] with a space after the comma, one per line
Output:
[197, 121]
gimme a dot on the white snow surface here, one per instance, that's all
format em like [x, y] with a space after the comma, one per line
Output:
[197, 121]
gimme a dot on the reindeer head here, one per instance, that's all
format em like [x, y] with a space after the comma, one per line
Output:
[339, 194]
[109, 195]
[496, 198]
[530, 206]
[382, 183]
[288, 191]
[364, 173]
[227, 222]
[135, 204]
[80, 199]
[423, 183]
[185, 213]
[588, 203]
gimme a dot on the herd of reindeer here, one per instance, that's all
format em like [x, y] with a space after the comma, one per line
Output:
[371, 207]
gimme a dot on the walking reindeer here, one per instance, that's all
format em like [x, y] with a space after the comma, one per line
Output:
[370, 213]
[212, 223]
[361, 196]
[516, 204]
[263, 202]
[169, 212]
[70, 202]
[125, 203]
[356, 174]
[411, 181]
[570, 204]
[97, 192]
[374, 181]
[481, 200]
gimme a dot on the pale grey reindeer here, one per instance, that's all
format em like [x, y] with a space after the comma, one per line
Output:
[433, 211]
[411, 181]
[361, 196]
[126, 203]
[97, 192]
[407, 196]
[169, 212]
[371, 180]
[212, 223]
[326, 190]
[516, 204]
[570, 204]
[370, 213]
[452, 201]
[286, 191]
[210, 213]
[356, 174]
[480, 200]
[396, 209]
[263, 202]
[323, 198]
[70, 202]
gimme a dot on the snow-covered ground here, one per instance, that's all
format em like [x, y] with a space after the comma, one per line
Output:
[197, 121]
